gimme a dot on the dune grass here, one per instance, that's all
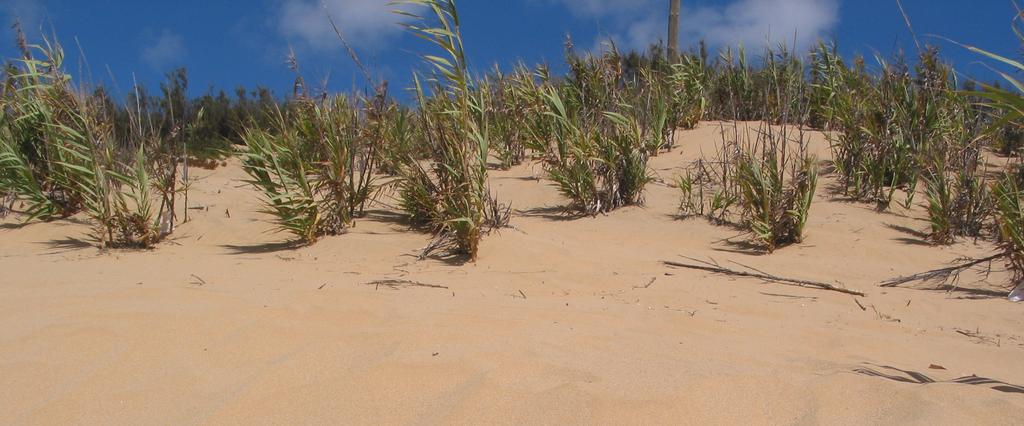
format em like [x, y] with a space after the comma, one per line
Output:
[898, 133]
[59, 155]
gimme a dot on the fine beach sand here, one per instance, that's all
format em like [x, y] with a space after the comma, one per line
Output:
[558, 321]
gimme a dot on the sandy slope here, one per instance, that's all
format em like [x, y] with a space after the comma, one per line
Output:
[553, 324]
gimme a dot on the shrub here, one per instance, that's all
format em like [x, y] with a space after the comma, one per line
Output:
[827, 74]
[771, 185]
[1009, 213]
[776, 207]
[59, 154]
[314, 170]
[600, 166]
[451, 194]
[688, 86]
[1008, 139]
[892, 125]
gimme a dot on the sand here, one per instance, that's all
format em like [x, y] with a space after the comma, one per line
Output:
[557, 322]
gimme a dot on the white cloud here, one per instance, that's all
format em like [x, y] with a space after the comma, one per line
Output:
[755, 22]
[365, 23]
[607, 8]
[167, 51]
[639, 33]
[635, 24]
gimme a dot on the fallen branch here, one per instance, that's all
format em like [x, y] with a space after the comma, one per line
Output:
[859, 305]
[648, 285]
[943, 274]
[885, 317]
[715, 268]
[981, 338]
[395, 284]
[198, 281]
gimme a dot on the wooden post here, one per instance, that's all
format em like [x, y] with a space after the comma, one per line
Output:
[673, 30]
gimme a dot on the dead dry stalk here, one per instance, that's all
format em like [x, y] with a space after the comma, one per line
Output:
[949, 273]
[714, 267]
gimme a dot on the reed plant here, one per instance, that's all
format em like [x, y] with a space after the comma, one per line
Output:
[764, 185]
[316, 169]
[957, 193]
[1008, 139]
[38, 105]
[891, 126]
[529, 87]
[709, 189]
[827, 80]
[733, 95]
[1009, 213]
[60, 155]
[777, 185]
[402, 134]
[599, 164]
[688, 86]
[502, 107]
[1007, 192]
[449, 194]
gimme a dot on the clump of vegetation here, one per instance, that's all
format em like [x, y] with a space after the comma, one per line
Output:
[895, 132]
[1008, 139]
[1006, 192]
[688, 87]
[60, 155]
[764, 185]
[776, 190]
[315, 170]
[873, 161]
[598, 152]
[1009, 211]
[897, 129]
[739, 90]
[733, 94]
[322, 160]
[450, 194]
[598, 168]
[38, 107]
[960, 200]
[708, 189]
[501, 106]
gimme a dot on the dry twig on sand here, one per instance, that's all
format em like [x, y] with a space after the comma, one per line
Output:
[950, 273]
[718, 269]
[648, 285]
[396, 284]
[979, 337]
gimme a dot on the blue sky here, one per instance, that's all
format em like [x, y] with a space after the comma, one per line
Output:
[228, 43]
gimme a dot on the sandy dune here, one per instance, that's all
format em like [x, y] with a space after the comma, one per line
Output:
[555, 323]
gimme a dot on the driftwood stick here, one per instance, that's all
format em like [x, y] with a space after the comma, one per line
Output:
[199, 281]
[394, 284]
[711, 267]
[940, 273]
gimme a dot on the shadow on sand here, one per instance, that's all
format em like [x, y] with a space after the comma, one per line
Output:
[13, 226]
[263, 248]
[739, 246]
[554, 213]
[64, 245]
[916, 237]
[963, 292]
